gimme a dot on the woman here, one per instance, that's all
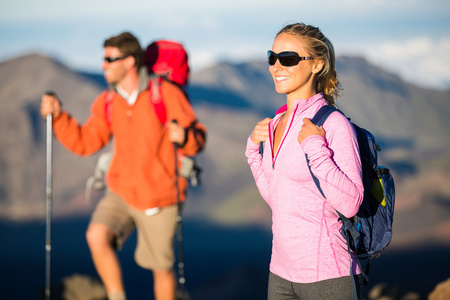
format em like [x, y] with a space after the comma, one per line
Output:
[309, 255]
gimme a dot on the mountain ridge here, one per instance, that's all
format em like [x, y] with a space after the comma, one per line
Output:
[229, 99]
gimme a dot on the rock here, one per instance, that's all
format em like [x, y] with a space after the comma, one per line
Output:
[78, 287]
[410, 296]
[441, 291]
[383, 291]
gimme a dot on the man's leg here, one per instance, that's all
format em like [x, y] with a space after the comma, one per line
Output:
[164, 284]
[110, 226]
[154, 249]
[99, 238]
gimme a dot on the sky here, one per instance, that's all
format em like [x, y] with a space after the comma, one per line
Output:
[410, 38]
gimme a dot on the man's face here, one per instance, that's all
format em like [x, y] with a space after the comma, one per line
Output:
[116, 68]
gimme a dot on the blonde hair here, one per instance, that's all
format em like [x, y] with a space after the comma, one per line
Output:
[319, 47]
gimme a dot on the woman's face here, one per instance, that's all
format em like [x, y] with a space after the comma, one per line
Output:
[295, 81]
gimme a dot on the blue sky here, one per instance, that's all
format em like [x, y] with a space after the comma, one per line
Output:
[410, 38]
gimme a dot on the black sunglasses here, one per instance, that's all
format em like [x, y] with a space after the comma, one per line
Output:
[286, 58]
[111, 59]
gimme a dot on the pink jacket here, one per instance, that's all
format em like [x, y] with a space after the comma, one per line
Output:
[307, 244]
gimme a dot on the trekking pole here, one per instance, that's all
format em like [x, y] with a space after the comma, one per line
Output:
[48, 204]
[181, 291]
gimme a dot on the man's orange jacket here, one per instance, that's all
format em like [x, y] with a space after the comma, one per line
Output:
[142, 168]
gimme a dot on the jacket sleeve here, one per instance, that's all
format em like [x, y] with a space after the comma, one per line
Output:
[178, 108]
[84, 139]
[335, 161]
[254, 159]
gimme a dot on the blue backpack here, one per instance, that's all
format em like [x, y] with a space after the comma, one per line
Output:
[370, 231]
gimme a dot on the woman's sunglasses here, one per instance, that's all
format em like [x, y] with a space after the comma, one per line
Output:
[286, 58]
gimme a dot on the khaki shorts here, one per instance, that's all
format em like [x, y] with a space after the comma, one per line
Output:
[155, 234]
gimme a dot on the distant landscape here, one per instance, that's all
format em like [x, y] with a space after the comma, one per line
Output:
[227, 224]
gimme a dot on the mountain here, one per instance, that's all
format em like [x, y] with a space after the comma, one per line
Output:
[230, 99]
[23, 134]
[408, 114]
[410, 123]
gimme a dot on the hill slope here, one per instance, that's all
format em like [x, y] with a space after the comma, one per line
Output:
[229, 98]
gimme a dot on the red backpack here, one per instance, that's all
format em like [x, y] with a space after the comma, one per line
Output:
[165, 60]
[169, 60]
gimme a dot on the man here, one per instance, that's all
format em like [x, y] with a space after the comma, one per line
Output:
[141, 179]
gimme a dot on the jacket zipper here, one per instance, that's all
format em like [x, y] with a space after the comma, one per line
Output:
[286, 132]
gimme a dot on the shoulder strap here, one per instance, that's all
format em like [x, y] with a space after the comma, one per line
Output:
[156, 98]
[322, 114]
[319, 118]
[350, 232]
[108, 106]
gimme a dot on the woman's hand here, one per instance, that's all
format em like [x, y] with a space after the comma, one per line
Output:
[308, 129]
[261, 131]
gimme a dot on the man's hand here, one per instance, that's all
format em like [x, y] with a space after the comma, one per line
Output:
[50, 105]
[176, 133]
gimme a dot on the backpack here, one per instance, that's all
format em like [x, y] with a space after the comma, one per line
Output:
[168, 59]
[165, 60]
[369, 232]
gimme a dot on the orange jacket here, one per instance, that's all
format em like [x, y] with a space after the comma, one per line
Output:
[142, 169]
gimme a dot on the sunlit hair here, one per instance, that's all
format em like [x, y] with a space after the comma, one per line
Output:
[319, 47]
[128, 44]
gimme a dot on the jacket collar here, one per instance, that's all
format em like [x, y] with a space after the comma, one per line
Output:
[301, 103]
[142, 83]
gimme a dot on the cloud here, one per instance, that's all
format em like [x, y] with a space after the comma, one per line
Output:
[390, 34]
[421, 60]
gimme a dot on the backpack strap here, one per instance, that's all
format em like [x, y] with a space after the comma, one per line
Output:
[154, 86]
[322, 114]
[352, 235]
[108, 106]
[319, 118]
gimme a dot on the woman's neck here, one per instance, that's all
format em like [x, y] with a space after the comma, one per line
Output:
[292, 97]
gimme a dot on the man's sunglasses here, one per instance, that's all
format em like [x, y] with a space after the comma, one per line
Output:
[286, 58]
[111, 59]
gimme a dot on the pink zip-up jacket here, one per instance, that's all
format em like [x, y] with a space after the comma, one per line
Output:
[307, 244]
